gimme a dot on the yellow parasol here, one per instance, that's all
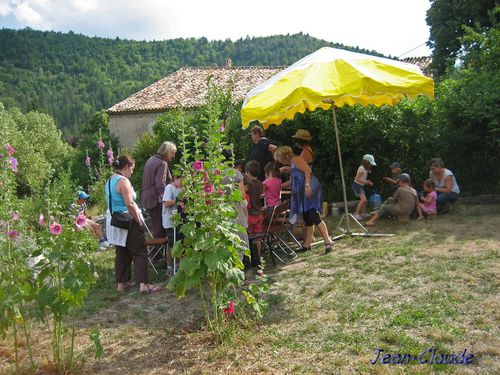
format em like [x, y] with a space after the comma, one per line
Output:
[333, 77]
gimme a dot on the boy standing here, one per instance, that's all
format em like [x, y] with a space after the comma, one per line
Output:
[169, 209]
[255, 218]
[405, 201]
[393, 180]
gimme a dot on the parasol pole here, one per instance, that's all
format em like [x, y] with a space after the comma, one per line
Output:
[341, 166]
[348, 216]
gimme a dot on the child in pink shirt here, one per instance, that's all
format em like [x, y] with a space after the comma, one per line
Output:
[272, 187]
[428, 205]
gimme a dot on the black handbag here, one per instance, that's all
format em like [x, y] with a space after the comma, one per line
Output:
[121, 220]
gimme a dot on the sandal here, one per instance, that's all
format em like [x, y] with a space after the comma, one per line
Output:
[151, 289]
[304, 249]
[328, 248]
[123, 287]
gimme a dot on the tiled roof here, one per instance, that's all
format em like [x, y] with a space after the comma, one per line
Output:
[187, 88]
[423, 62]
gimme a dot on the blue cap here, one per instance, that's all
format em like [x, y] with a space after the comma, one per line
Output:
[83, 195]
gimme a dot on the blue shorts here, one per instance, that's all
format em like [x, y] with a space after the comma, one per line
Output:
[358, 189]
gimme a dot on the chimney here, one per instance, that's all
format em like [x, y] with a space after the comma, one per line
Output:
[229, 63]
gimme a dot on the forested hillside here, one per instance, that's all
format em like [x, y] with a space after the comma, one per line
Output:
[70, 76]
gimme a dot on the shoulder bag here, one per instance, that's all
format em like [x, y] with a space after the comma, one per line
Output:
[122, 220]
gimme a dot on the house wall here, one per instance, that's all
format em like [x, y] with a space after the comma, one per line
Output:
[129, 127]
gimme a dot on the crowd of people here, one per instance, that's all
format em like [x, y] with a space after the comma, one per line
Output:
[269, 172]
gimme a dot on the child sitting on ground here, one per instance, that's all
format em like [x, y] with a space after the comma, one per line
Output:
[169, 209]
[428, 205]
[80, 208]
[272, 188]
[255, 219]
[405, 201]
[360, 181]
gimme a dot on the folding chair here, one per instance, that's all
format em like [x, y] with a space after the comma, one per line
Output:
[274, 241]
[156, 247]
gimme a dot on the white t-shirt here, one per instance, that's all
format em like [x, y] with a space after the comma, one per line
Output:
[170, 194]
[364, 175]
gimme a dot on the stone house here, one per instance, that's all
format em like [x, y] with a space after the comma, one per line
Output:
[185, 88]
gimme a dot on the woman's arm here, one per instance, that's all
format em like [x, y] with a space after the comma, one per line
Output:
[447, 186]
[125, 189]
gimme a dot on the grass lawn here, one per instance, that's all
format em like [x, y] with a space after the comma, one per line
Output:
[434, 285]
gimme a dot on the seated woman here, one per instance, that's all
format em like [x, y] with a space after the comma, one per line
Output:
[307, 196]
[447, 188]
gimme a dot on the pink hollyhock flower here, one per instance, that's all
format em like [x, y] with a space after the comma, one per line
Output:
[208, 202]
[80, 221]
[13, 234]
[110, 161]
[55, 228]
[208, 188]
[15, 216]
[109, 153]
[219, 191]
[100, 144]
[12, 164]
[222, 127]
[10, 150]
[87, 161]
[198, 165]
[41, 219]
[230, 308]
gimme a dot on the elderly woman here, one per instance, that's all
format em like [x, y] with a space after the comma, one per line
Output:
[306, 196]
[156, 177]
[446, 184]
[130, 243]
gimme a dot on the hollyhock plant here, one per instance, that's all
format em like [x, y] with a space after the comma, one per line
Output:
[208, 202]
[230, 308]
[208, 188]
[12, 161]
[219, 191]
[80, 221]
[198, 165]
[15, 216]
[13, 234]
[55, 228]
[10, 150]
[222, 127]
[110, 153]
[41, 219]
[100, 144]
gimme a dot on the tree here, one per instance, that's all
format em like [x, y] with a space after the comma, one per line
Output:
[446, 19]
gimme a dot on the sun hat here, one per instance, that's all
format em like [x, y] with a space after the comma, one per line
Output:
[370, 159]
[302, 134]
[405, 177]
[83, 195]
[395, 165]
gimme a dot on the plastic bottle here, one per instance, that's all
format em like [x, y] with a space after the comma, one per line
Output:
[335, 209]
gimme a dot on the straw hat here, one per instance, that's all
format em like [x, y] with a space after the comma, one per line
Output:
[302, 134]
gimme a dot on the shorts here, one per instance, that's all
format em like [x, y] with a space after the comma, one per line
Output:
[427, 210]
[311, 218]
[358, 189]
[255, 224]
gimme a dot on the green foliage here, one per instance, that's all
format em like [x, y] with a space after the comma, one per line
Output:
[447, 19]
[211, 251]
[72, 76]
[44, 262]
[42, 153]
